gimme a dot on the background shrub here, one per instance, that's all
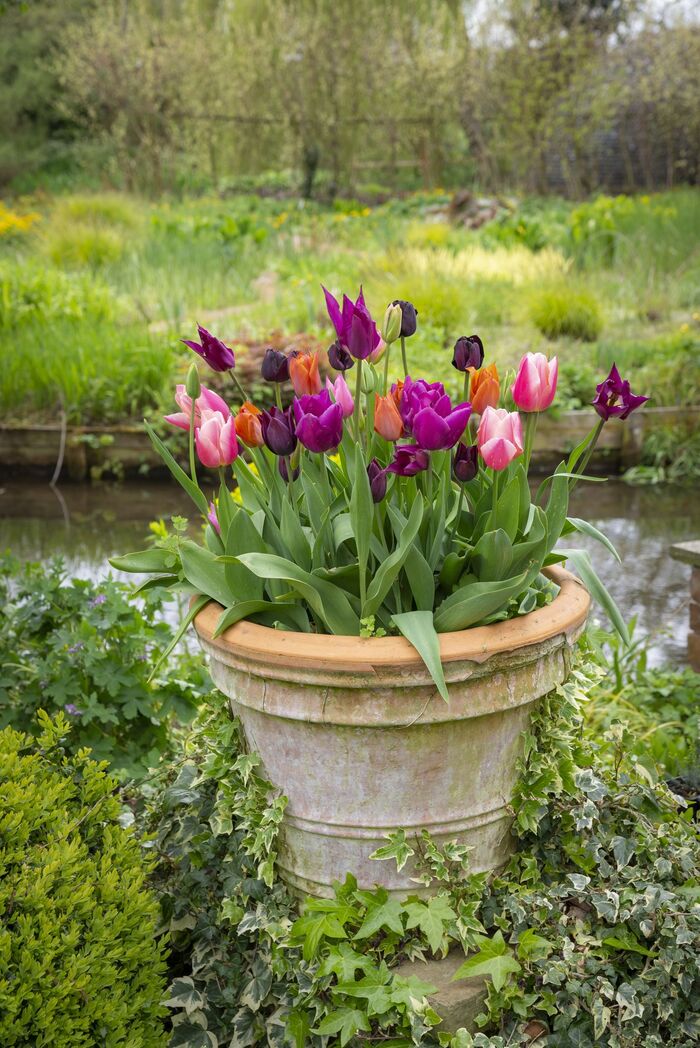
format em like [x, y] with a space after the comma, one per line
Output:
[87, 649]
[563, 312]
[80, 964]
[32, 292]
[76, 244]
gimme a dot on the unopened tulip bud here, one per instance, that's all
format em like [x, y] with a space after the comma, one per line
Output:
[409, 315]
[192, 383]
[391, 327]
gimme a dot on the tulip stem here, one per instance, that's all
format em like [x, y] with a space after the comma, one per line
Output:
[595, 433]
[460, 502]
[494, 492]
[531, 418]
[386, 369]
[193, 470]
[278, 396]
[239, 386]
[403, 355]
[358, 394]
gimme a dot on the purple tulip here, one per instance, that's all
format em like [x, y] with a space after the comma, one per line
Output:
[319, 421]
[275, 366]
[284, 472]
[339, 358]
[418, 395]
[409, 315]
[408, 460]
[465, 464]
[468, 353]
[439, 428]
[377, 480]
[353, 325]
[278, 430]
[217, 355]
[614, 398]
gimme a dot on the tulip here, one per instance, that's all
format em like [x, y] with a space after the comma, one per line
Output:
[409, 315]
[284, 472]
[408, 460]
[485, 389]
[439, 428]
[341, 395]
[353, 325]
[391, 325]
[217, 355]
[304, 373]
[377, 480]
[614, 398]
[536, 382]
[468, 353]
[396, 393]
[465, 464]
[339, 358]
[418, 395]
[207, 400]
[278, 430]
[387, 420]
[499, 437]
[275, 366]
[248, 426]
[213, 518]
[215, 440]
[378, 352]
[319, 422]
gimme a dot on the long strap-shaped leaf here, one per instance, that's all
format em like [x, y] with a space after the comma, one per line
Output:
[582, 562]
[468, 605]
[390, 568]
[180, 476]
[246, 608]
[329, 603]
[418, 628]
[200, 603]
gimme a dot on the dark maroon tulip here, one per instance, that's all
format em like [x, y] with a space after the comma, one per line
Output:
[468, 353]
[278, 430]
[353, 325]
[465, 464]
[284, 472]
[217, 355]
[408, 460]
[377, 480]
[275, 366]
[409, 315]
[339, 358]
[319, 421]
[614, 398]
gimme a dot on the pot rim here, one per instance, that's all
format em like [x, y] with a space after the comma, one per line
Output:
[565, 615]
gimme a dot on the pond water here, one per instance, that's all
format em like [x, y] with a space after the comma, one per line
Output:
[87, 524]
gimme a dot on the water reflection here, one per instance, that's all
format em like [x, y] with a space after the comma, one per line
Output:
[86, 525]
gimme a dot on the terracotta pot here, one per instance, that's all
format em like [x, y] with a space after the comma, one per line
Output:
[355, 734]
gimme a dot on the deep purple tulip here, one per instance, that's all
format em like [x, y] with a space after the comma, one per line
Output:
[465, 464]
[284, 472]
[339, 358]
[217, 355]
[409, 315]
[408, 460]
[418, 395]
[353, 325]
[319, 421]
[278, 430]
[275, 366]
[377, 480]
[468, 353]
[438, 429]
[614, 398]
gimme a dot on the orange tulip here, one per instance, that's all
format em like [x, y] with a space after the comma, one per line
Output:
[485, 389]
[396, 391]
[248, 426]
[387, 421]
[304, 373]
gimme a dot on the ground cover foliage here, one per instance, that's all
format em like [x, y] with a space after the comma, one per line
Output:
[589, 936]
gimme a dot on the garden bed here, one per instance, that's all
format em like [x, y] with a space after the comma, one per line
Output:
[92, 452]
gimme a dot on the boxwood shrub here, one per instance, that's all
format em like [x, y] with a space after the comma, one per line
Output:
[80, 964]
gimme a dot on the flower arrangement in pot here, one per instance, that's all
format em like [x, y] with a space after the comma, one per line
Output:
[379, 593]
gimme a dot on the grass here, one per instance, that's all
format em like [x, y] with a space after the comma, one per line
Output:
[96, 292]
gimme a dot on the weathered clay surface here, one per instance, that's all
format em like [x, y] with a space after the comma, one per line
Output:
[354, 733]
[457, 1003]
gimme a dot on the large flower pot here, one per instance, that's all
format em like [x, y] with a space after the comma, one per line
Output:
[355, 734]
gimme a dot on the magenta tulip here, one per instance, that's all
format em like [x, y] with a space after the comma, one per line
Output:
[216, 440]
[319, 422]
[408, 460]
[216, 353]
[614, 397]
[353, 325]
[208, 400]
[536, 382]
[341, 395]
[499, 437]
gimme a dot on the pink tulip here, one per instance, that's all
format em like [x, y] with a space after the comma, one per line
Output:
[499, 437]
[208, 400]
[536, 382]
[216, 440]
[341, 395]
[213, 518]
[378, 352]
